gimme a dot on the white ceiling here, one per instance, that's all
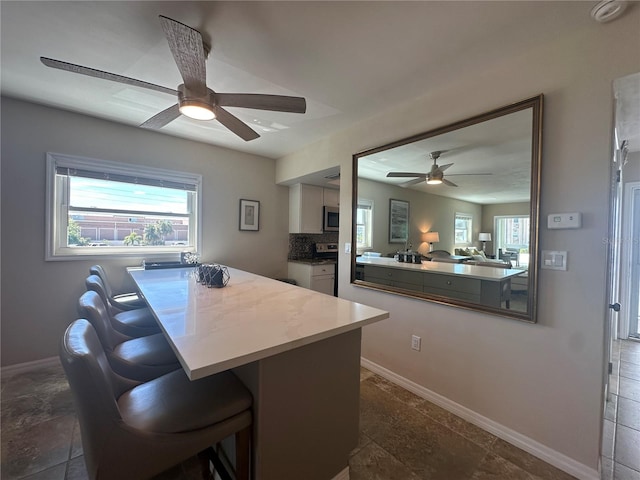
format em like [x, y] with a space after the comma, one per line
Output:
[491, 161]
[350, 60]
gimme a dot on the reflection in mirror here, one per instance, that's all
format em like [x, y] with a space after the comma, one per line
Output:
[451, 215]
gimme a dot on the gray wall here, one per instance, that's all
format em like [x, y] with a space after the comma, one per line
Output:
[540, 385]
[39, 298]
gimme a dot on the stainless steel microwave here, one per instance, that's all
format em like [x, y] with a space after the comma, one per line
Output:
[331, 219]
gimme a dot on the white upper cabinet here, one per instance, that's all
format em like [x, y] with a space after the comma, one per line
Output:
[331, 197]
[305, 208]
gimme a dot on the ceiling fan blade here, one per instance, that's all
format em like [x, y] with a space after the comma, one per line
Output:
[188, 52]
[412, 182]
[407, 174]
[92, 72]
[234, 124]
[278, 103]
[444, 167]
[161, 119]
[458, 174]
[447, 182]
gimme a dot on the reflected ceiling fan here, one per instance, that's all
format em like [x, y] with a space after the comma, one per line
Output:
[195, 99]
[434, 177]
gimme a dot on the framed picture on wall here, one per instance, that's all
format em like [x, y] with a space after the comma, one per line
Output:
[398, 221]
[249, 215]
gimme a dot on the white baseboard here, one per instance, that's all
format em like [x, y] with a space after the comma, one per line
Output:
[343, 475]
[527, 444]
[28, 366]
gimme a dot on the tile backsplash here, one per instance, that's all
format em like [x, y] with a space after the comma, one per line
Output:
[301, 244]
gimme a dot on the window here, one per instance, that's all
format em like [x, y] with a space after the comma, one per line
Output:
[512, 233]
[364, 224]
[463, 227]
[98, 207]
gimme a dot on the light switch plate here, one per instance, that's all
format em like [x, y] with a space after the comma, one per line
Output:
[553, 260]
[347, 247]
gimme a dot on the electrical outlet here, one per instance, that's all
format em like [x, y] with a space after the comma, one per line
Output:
[415, 342]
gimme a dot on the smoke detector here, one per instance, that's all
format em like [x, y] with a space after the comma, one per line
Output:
[608, 10]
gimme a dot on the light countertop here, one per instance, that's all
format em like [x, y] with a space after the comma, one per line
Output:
[470, 271]
[313, 261]
[253, 317]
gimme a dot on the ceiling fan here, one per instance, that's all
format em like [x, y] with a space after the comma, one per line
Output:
[195, 99]
[435, 176]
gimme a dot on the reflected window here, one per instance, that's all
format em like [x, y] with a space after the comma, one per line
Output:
[512, 237]
[463, 226]
[364, 224]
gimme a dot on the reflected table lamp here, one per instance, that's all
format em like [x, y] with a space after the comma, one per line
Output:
[430, 237]
[484, 238]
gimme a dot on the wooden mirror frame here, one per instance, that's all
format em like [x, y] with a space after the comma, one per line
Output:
[535, 104]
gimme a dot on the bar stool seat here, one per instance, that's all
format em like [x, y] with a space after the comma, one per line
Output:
[185, 405]
[141, 358]
[133, 323]
[132, 430]
[121, 301]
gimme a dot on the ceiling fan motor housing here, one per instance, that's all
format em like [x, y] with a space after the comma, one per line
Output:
[195, 106]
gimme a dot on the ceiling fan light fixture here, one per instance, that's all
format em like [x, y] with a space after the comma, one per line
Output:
[193, 105]
[197, 110]
[434, 181]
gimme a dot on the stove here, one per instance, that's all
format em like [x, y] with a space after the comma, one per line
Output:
[325, 251]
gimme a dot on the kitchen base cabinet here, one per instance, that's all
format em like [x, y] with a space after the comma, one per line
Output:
[320, 278]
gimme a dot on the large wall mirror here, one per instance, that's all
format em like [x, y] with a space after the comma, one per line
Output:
[451, 215]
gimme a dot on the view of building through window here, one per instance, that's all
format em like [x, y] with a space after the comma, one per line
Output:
[114, 213]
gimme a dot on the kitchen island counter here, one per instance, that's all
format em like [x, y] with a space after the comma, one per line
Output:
[297, 350]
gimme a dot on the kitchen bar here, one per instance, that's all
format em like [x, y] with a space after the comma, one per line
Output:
[297, 350]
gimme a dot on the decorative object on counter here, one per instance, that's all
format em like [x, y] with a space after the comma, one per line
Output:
[212, 275]
[484, 238]
[398, 221]
[408, 257]
[431, 238]
[189, 258]
[249, 215]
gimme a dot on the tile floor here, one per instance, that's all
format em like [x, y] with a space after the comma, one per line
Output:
[402, 436]
[621, 432]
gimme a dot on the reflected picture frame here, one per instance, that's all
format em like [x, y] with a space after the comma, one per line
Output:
[249, 215]
[398, 221]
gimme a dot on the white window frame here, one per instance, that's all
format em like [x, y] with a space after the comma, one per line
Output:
[57, 209]
[368, 204]
[469, 218]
